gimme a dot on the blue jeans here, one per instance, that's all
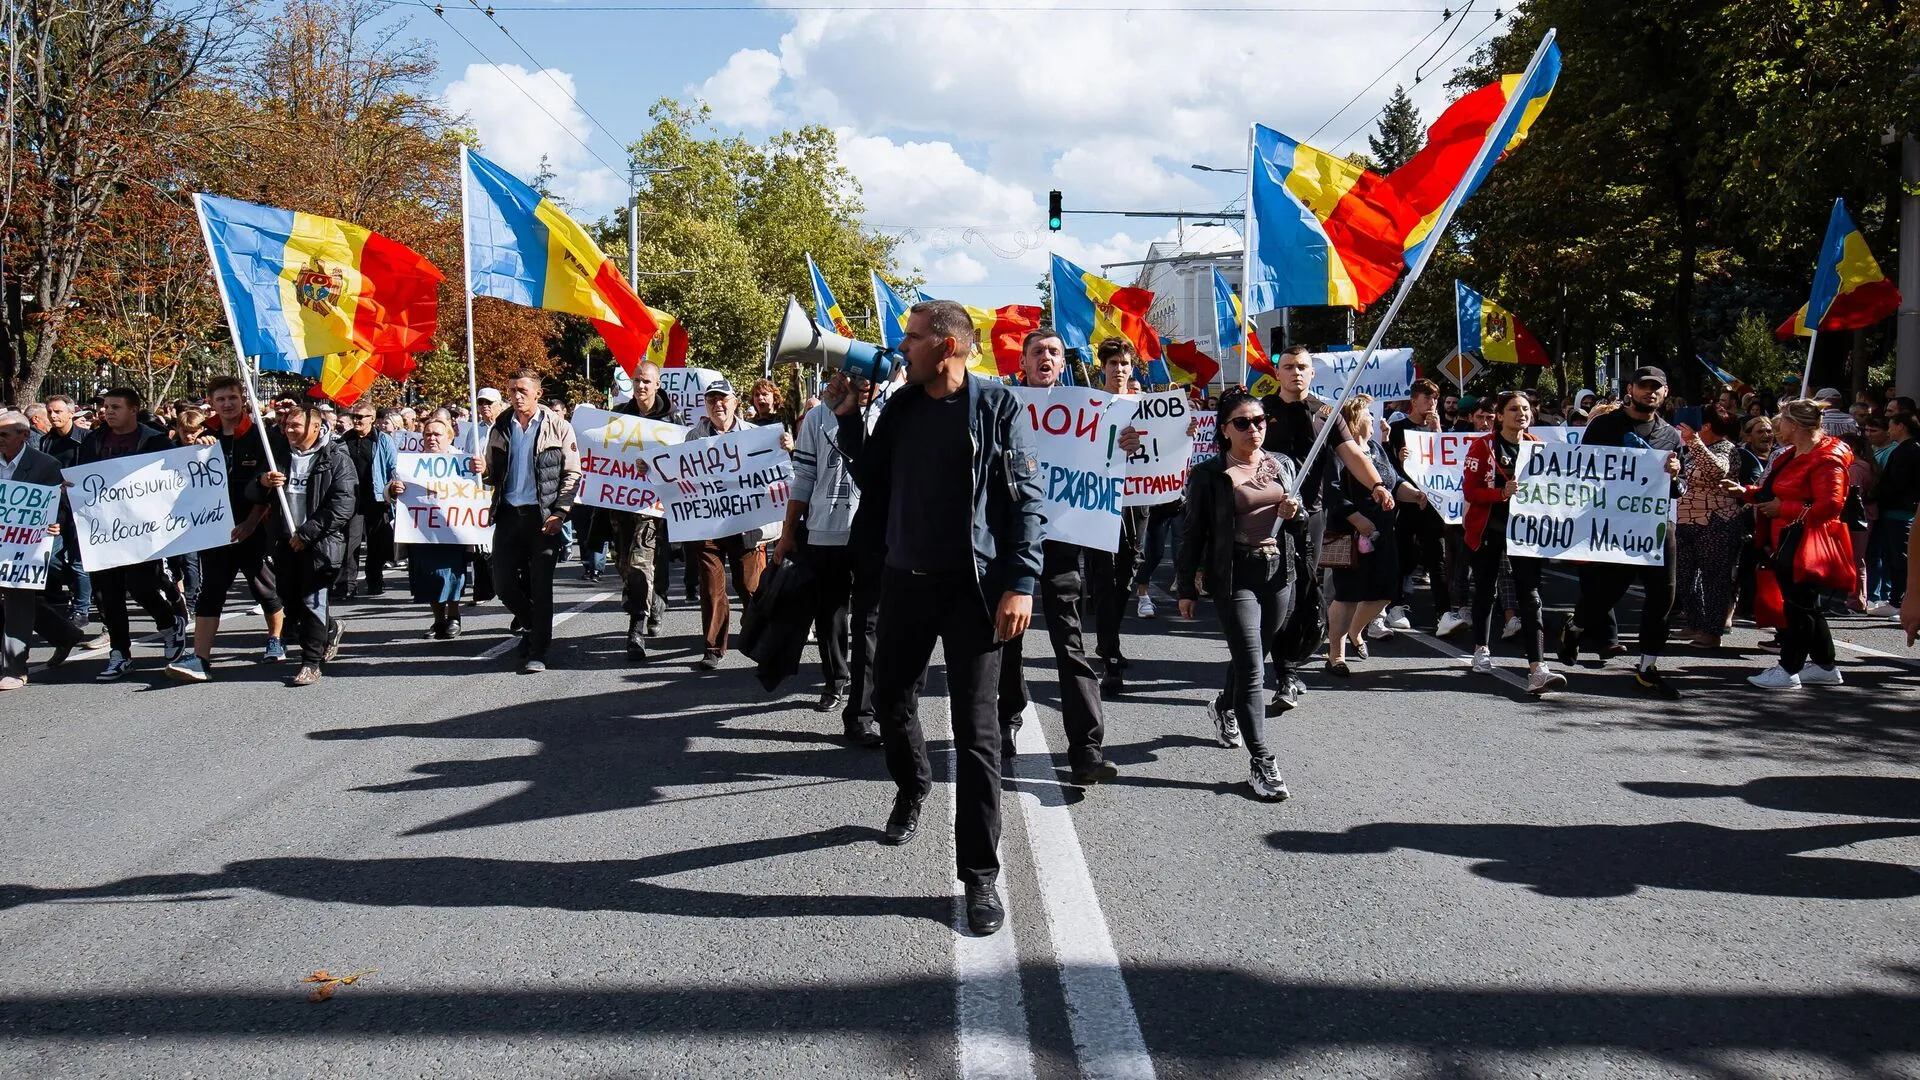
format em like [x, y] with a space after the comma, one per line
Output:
[1250, 615]
[66, 568]
[1887, 560]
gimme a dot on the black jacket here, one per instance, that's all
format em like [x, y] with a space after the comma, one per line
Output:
[1007, 514]
[1898, 488]
[246, 457]
[93, 447]
[330, 504]
[663, 409]
[1206, 535]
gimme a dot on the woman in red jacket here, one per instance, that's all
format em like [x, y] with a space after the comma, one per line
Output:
[1487, 482]
[1807, 484]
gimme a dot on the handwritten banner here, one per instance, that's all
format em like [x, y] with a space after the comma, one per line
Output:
[1590, 504]
[444, 502]
[688, 388]
[1550, 433]
[1204, 446]
[1436, 461]
[613, 448]
[723, 485]
[25, 512]
[150, 506]
[1388, 377]
[1157, 472]
[1083, 472]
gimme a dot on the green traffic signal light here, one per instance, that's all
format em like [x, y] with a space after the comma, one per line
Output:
[1053, 211]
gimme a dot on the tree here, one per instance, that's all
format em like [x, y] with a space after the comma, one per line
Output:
[88, 95]
[1401, 134]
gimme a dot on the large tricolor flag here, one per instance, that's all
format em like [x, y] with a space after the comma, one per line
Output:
[892, 309]
[1089, 309]
[320, 297]
[826, 310]
[524, 249]
[1001, 331]
[1726, 378]
[1490, 331]
[1232, 330]
[668, 349]
[1849, 290]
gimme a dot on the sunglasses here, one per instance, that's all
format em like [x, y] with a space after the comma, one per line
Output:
[1248, 423]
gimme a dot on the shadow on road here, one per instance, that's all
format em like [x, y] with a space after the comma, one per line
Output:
[1856, 796]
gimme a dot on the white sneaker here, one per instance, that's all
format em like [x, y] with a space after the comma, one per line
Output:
[1377, 630]
[1543, 679]
[1449, 622]
[1512, 627]
[1815, 675]
[1482, 661]
[1264, 777]
[1145, 607]
[1775, 678]
[1882, 610]
[1399, 618]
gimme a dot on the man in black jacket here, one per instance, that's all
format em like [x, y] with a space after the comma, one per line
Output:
[639, 547]
[119, 433]
[532, 463]
[62, 443]
[308, 550]
[1638, 423]
[950, 473]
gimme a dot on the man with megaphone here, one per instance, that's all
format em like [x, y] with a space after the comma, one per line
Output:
[950, 473]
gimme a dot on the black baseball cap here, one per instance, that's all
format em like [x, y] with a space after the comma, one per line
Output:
[1648, 374]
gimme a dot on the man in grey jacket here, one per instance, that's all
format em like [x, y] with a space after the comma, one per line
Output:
[823, 502]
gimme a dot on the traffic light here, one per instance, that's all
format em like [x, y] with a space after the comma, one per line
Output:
[1053, 211]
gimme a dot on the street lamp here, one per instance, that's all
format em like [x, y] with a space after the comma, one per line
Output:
[633, 213]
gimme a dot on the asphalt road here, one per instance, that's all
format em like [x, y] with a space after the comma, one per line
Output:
[615, 870]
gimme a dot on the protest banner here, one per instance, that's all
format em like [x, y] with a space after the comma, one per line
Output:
[1388, 377]
[1083, 473]
[688, 388]
[1551, 433]
[1157, 472]
[723, 485]
[25, 512]
[613, 449]
[1590, 504]
[1436, 461]
[445, 501]
[414, 442]
[1204, 446]
[150, 506]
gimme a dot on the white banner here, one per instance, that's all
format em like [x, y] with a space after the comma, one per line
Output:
[1204, 446]
[1389, 376]
[723, 485]
[150, 506]
[1549, 433]
[1157, 472]
[1436, 461]
[687, 386]
[414, 442]
[1083, 472]
[613, 446]
[1590, 504]
[25, 548]
[445, 501]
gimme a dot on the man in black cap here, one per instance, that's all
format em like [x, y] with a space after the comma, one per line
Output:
[1637, 423]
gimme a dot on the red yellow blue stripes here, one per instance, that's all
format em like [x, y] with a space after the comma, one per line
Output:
[1489, 330]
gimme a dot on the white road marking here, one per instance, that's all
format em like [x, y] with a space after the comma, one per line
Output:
[513, 640]
[1877, 653]
[1445, 649]
[989, 1011]
[1106, 1032]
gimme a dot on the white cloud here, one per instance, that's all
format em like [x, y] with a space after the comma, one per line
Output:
[741, 93]
[957, 268]
[517, 129]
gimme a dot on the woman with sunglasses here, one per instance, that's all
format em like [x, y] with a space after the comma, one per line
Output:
[1233, 534]
[1487, 483]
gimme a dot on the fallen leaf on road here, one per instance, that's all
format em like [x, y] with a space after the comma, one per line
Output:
[329, 983]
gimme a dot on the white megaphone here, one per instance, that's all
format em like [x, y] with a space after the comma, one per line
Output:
[799, 339]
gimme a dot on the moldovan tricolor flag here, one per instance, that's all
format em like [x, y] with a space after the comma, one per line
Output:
[668, 349]
[1490, 331]
[1232, 331]
[320, 297]
[1089, 309]
[1000, 332]
[522, 248]
[1849, 291]
[892, 309]
[826, 310]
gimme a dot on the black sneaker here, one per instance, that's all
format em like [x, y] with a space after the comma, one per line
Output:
[1111, 684]
[904, 822]
[1650, 681]
[985, 915]
[334, 635]
[1098, 772]
[1569, 652]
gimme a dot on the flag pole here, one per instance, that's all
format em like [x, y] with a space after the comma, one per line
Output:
[466, 274]
[1806, 374]
[1440, 224]
[1246, 273]
[241, 366]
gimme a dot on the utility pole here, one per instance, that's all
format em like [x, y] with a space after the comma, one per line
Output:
[1906, 378]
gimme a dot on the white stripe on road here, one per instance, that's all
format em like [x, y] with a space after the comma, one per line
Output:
[1106, 1033]
[1445, 649]
[990, 1015]
[513, 640]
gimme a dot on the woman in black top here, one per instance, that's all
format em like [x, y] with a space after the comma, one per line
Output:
[1362, 591]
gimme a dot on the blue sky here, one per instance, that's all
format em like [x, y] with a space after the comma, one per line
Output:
[957, 121]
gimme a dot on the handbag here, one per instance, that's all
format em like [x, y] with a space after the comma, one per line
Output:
[1339, 551]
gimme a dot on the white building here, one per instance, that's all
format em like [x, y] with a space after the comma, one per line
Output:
[1180, 275]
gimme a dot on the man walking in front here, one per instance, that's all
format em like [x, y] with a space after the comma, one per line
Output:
[952, 463]
[532, 463]
[119, 433]
[639, 540]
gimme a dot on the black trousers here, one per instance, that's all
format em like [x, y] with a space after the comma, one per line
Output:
[379, 547]
[833, 614]
[1604, 585]
[149, 586]
[863, 624]
[1060, 591]
[219, 566]
[1806, 636]
[350, 565]
[1109, 582]
[1486, 593]
[523, 561]
[1422, 538]
[917, 610]
[303, 585]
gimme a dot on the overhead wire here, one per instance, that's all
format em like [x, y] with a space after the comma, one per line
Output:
[1498, 18]
[544, 70]
[1445, 18]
